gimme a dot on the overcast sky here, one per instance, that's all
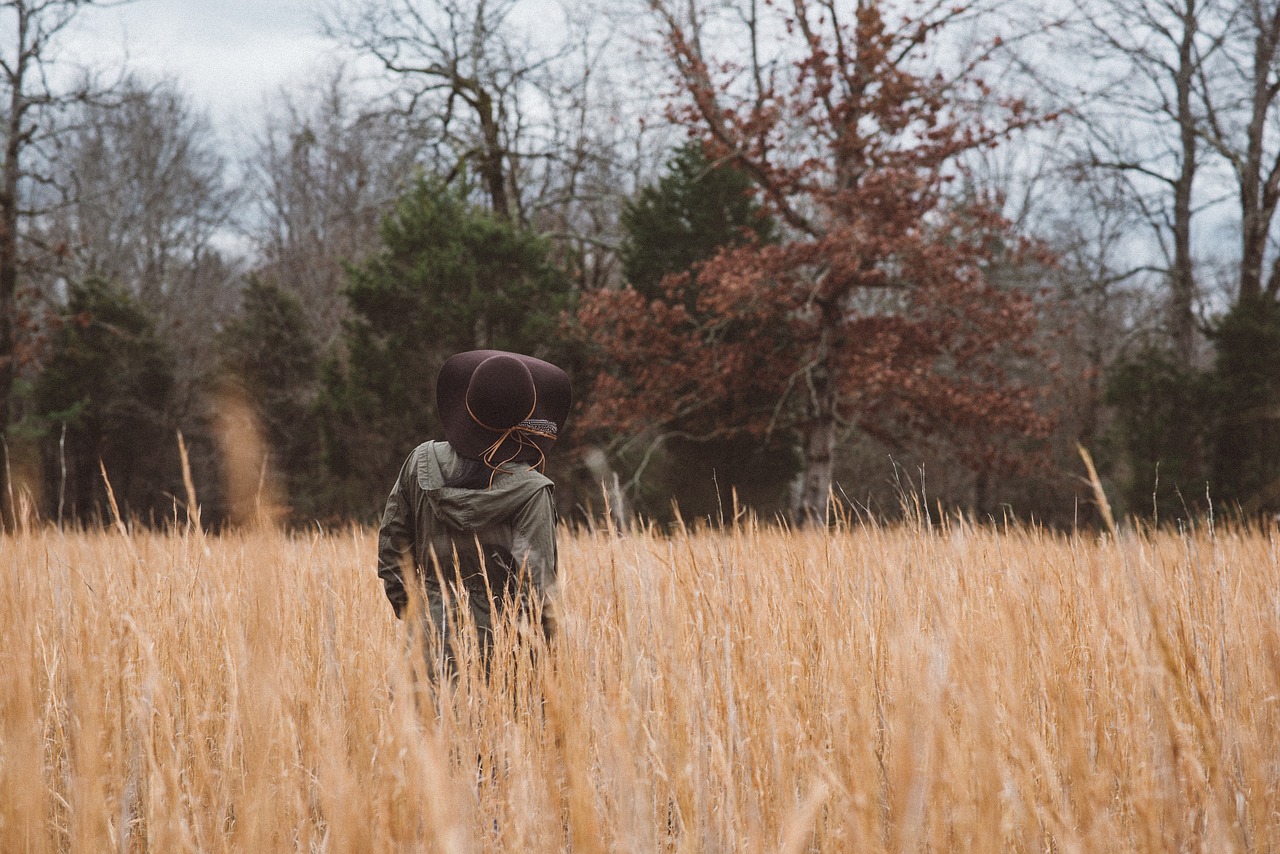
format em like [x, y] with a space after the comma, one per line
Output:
[226, 54]
[229, 54]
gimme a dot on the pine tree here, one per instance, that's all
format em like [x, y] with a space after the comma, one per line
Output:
[696, 209]
[450, 277]
[109, 380]
[1158, 434]
[1246, 387]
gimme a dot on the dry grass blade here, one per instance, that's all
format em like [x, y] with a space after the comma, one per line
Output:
[1099, 494]
[193, 506]
[866, 688]
[111, 501]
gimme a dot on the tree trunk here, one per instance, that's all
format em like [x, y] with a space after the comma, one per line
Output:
[1258, 191]
[618, 509]
[819, 464]
[1182, 318]
[820, 425]
[9, 177]
[1253, 232]
[492, 172]
[819, 440]
[981, 492]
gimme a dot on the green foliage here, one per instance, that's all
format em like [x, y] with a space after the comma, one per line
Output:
[449, 277]
[696, 209]
[693, 211]
[452, 277]
[269, 353]
[1159, 434]
[109, 380]
[1246, 390]
[1191, 431]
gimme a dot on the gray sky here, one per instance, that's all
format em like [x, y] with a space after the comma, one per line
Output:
[226, 54]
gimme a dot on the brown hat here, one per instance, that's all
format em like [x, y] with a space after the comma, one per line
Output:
[502, 407]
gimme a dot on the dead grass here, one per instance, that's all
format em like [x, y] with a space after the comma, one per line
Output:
[871, 689]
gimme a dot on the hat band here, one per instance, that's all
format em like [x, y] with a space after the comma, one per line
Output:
[538, 427]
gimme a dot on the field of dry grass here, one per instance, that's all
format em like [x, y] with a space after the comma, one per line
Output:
[868, 689]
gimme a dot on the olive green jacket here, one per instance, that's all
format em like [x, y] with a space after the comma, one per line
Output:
[516, 513]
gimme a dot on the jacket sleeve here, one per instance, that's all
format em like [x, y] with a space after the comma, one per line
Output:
[395, 540]
[534, 549]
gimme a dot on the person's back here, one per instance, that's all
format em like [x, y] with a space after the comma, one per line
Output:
[435, 528]
[470, 521]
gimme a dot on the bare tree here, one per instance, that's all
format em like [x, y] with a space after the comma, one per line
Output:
[145, 196]
[31, 102]
[602, 136]
[1102, 301]
[1143, 118]
[1240, 106]
[557, 130]
[463, 71]
[323, 175]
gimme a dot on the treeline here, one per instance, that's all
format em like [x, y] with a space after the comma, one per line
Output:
[832, 259]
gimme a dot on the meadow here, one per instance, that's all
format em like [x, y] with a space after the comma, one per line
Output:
[912, 687]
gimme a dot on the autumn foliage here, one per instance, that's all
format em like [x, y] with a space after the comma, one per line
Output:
[878, 308]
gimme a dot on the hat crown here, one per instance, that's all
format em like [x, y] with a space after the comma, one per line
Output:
[492, 402]
[501, 393]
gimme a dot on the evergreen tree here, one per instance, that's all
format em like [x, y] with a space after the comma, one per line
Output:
[449, 277]
[109, 380]
[1246, 388]
[1185, 436]
[696, 209]
[1158, 434]
[269, 354]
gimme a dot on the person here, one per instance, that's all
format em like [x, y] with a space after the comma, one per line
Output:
[469, 526]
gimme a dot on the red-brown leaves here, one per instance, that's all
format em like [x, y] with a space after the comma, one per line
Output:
[883, 285]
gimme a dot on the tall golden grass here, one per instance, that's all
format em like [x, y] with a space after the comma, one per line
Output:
[872, 688]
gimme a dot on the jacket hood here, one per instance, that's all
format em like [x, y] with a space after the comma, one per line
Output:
[463, 509]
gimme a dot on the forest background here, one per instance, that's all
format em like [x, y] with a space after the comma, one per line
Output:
[789, 252]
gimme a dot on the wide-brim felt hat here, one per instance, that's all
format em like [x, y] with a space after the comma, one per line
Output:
[502, 407]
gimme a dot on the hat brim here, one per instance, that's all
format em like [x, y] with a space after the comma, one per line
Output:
[470, 439]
